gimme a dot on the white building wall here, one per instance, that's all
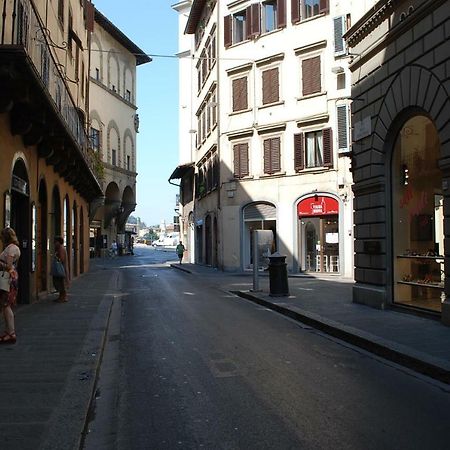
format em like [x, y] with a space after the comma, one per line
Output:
[285, 47]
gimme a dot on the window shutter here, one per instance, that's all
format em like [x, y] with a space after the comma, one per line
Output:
[248, 23]
[295, 11]
[342, 127]
[275, 155]
[270, 86]
[267, 159]
[275, 85]
[281, 13]
[236, 158]
[265, 87]
[244, 169]
[227, 31]
[327, 137]
[240, 94]
[311, 75]
[299, 152]
[324, 6]
[255, 22]
[339, 30]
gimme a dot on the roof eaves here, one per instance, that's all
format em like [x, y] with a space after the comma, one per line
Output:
[104, 22]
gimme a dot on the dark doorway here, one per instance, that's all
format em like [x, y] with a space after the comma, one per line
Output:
[81, 240]
[20, 222]
[41, 238]
[208, 241]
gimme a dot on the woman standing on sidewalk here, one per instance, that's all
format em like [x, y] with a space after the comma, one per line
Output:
[8, 265]
[61, 283]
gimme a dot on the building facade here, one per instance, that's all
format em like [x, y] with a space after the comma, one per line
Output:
[271, 113]
[49, 179]
[401, 155]
[114, 124]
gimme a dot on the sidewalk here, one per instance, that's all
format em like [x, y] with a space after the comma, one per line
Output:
[419, 343]
[47, 378]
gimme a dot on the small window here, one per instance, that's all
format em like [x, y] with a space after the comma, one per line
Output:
[240, 163]
[95, 139]
[128, 95]
[314, 149]
[270, 86]
[113, 88]
[128, 162]
[240, 93]
[311, 76]
[269, 19]
[272, 155]
[340, 81]
[114, 157]
[97, 74]
[239, 27]
[310, 8]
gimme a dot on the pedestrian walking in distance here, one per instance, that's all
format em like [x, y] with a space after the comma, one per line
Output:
[61, 281]
[180, 250]
[8, 286]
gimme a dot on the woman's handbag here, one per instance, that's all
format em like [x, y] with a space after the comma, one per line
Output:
[5, 279]
[57, 269]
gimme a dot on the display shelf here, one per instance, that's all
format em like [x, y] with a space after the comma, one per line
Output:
[438, 258]
[427, 285]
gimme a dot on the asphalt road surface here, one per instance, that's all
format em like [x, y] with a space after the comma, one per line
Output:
[191, 366]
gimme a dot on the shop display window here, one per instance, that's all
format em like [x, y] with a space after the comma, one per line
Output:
[418, 238]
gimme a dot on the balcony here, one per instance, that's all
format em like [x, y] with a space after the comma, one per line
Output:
[34, 92]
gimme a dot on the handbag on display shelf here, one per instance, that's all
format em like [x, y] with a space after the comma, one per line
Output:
[5, 278]
[57, 269]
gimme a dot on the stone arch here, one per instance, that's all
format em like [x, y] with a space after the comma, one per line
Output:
[96, 57]
[113, 142]
[113, 71]
[128, 150]
[128, 81]
[414, 88]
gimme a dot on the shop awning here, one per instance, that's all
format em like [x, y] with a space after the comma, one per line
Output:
[181, 171]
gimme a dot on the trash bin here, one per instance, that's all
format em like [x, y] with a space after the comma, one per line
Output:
[278, 279]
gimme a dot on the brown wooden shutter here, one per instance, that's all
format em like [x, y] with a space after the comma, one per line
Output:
[311, 75]
[265, 87]
[236, 158]
[275, 88]
[299, 152]
[240, 94]
[327, 139]
[255, 20]
[227, 31]
[89, 14]
[267, 159]
[324, 6]
[270, 86]
[281, 13]
[248, 22]
[244, 169]
[275, 155]
[295, 11]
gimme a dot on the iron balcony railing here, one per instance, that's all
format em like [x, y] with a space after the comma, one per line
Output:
[22, 27]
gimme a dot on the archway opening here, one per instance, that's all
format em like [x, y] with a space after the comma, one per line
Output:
[417, 216]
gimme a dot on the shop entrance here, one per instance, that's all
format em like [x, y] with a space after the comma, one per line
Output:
[418, 217]
[319, 234]
[20, 222]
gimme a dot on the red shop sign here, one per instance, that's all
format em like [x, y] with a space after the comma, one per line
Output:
[317, 206]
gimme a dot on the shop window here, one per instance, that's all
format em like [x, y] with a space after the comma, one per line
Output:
[418, 217]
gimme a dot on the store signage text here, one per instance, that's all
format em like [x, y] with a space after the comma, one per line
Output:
[318, 206]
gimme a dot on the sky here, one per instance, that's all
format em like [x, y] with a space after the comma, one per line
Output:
[153, 26]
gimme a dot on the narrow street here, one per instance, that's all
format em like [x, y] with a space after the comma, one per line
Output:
[191, 366]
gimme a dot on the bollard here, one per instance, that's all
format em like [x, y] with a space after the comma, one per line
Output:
[278, 279]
